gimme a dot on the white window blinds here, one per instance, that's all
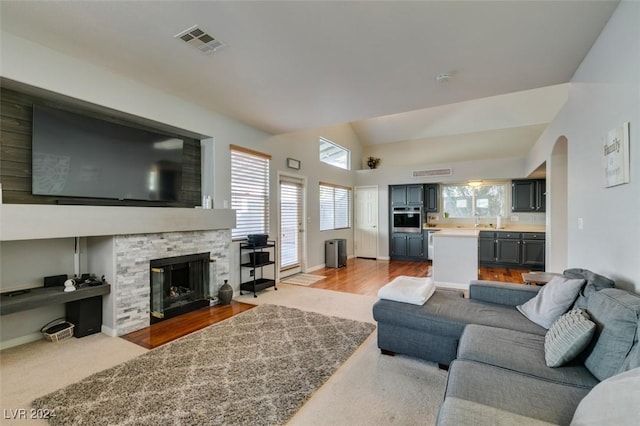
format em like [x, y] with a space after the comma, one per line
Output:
[249, 191]
[335, 207]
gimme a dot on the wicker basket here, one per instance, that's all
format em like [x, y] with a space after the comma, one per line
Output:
[58, 330]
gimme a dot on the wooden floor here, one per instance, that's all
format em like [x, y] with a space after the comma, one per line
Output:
[170, 329]
[360, 276]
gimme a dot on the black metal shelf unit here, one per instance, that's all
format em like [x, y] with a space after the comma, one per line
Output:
[259, 258]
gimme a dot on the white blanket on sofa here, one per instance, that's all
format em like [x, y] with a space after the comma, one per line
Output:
[414, 290]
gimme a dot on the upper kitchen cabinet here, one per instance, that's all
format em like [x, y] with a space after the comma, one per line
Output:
[431, 198]
[407, 195]
[528, 195]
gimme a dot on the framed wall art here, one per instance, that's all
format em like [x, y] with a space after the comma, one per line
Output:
[616, 156]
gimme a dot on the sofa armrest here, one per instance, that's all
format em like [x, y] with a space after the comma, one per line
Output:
[501, 293]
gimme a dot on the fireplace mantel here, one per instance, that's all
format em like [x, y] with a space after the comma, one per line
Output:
[34, 221]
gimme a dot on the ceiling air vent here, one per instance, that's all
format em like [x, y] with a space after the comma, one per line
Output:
[432, 172]
[199, 39]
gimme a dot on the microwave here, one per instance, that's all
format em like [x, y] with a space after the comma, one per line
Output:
[407, 219]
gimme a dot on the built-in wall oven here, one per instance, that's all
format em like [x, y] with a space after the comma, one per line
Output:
[407, 219]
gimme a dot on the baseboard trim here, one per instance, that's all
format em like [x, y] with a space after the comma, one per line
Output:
[32, 337]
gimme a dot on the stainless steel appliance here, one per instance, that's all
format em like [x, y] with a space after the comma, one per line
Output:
[335, 253]
[407, 219]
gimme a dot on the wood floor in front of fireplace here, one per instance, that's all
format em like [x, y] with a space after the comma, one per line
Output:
[165, 331]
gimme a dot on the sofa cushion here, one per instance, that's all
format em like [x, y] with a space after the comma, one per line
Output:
[513, 392]
[567, 337]
[460, 412]
[616, 314]
[553, 300]
[446, 314]
[615, 401]
[520, 352]
[594, 282]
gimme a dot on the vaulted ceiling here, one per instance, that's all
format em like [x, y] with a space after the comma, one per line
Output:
[292, 65]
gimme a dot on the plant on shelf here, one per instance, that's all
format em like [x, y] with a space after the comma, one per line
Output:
[373, 162]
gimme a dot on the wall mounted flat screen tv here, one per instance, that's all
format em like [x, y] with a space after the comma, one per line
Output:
[79, 156]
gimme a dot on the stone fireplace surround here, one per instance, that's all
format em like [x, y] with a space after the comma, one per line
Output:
[130, 294]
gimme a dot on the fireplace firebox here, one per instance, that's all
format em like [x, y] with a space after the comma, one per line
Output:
[178, 285]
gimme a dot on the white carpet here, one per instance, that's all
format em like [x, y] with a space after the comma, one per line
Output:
[368, 389]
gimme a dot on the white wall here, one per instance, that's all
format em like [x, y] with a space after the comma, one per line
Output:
[604, 93]
[304, 146]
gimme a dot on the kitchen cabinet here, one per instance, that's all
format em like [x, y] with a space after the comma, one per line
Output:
[409, 246]
[508, 248]
[533, 249]
[486, 247]
[402, 195]
[431, 198]
[512, 249]
[528, 195]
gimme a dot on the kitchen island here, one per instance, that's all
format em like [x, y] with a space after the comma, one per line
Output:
[455, 257]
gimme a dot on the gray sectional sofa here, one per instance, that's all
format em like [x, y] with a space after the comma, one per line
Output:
[496, 356]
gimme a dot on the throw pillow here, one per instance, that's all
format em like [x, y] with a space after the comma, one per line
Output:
[613, 401]
[567, 337]
[594, 283]
[553, 300]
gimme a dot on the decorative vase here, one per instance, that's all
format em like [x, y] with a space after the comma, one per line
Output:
[225, 294]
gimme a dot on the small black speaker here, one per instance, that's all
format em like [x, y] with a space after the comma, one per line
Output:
[86, 315]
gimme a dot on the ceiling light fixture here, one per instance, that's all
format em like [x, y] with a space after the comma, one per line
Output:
[474, 183]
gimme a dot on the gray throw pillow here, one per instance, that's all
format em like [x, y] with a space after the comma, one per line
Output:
[553, 300]
[595, 282]
[567, 337]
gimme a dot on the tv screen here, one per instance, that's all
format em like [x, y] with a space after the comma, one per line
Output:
[78, 156]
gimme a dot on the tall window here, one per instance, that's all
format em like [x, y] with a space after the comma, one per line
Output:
[464, 201]
[249, 191]
[335, 207]
[334, 154]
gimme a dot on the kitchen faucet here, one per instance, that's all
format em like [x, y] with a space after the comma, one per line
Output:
[476, 220]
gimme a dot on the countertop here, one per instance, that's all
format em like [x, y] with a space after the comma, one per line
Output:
[510, 228]
[458, 232]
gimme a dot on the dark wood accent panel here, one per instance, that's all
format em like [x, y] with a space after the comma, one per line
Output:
[16, 115]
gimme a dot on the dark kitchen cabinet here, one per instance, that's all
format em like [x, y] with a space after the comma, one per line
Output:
[512, 249]
[402, 195]
[533, 249]
[528, 195]
[508, 247]
[486, 247]
[431, 198]
[408, 246]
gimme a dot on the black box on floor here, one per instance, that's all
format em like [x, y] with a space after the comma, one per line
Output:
[86, 315]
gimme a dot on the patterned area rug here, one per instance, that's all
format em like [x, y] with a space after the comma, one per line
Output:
[256, 368]
[302, 279]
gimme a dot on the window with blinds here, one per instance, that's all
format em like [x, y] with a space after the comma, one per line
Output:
[249, 191]
[335, 207]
